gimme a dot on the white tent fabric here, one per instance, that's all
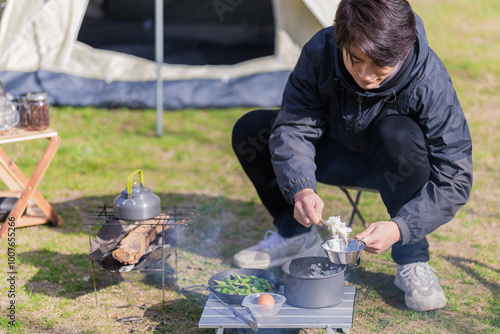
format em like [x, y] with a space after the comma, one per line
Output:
[39, 50]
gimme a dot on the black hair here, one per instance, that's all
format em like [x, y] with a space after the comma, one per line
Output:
[385, 30]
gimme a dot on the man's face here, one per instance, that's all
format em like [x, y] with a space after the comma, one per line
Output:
[364, 71]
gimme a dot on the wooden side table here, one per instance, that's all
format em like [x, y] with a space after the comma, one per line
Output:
[26, 188]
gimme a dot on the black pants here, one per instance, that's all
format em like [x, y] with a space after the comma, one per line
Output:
[396, 164]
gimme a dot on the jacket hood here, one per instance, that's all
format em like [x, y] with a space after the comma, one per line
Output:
[416, 59]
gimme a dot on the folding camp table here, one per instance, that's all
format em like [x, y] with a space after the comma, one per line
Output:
[340, 316]
[22, 187]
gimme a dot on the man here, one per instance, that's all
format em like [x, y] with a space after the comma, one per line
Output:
[368, 104]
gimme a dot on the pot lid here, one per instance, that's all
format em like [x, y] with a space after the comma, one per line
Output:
[37, 96]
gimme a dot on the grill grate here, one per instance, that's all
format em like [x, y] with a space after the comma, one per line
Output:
[169, 216]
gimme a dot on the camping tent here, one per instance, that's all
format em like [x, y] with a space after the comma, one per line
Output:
[217, 53]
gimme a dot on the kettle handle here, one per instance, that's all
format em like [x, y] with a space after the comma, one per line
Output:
[129, 181]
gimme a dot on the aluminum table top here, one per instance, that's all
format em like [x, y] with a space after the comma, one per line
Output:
[215, 315]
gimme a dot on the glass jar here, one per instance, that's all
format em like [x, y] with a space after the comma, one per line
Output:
[24, 111]
[39, 111]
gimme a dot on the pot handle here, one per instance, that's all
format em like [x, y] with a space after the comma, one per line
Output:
[129, 181]
[352, 265]
[194, 288]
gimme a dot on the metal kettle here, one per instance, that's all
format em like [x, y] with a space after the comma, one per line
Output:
[136, 202]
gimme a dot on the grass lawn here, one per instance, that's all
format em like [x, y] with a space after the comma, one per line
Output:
[192, 165]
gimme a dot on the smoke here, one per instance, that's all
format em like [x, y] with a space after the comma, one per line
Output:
[202, 235]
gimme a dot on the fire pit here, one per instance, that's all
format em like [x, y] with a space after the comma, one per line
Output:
[122, 245]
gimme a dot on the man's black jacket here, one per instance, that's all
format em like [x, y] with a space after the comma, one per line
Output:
[321, 98]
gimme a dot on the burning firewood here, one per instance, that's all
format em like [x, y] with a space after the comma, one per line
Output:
[135, 244]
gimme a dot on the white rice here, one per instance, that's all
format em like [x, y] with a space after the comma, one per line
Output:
[339, 229]
[317, 270]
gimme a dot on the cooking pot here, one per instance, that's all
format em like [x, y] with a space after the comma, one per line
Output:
[136, 202]
[313, 282]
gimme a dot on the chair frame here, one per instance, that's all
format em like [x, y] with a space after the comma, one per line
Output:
[355, 202]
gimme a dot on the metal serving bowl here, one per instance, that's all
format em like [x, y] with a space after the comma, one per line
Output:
[343, 251]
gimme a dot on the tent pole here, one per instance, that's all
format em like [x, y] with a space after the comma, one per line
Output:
[159, 62]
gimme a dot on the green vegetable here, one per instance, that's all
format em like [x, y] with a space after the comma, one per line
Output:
[243, 285]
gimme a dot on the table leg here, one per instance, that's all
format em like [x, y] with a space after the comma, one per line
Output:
[8, 179]
[30, 185]
[329, 329]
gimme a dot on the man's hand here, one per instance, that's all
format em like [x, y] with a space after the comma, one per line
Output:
[308, 207]
[379, 236]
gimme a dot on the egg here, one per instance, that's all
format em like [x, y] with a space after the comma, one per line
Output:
[266, 299]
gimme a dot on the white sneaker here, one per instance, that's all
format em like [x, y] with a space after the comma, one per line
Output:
[275, 250]
[421, 287]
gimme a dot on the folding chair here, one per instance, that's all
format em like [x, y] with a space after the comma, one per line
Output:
[355, 202]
